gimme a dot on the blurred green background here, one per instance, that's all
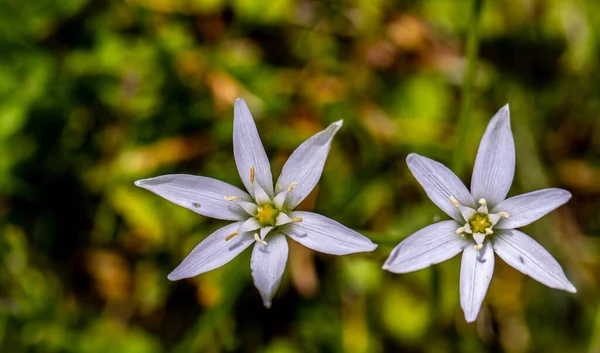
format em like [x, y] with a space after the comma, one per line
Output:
[96, 94]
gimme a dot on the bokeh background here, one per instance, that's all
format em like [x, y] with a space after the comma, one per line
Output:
[96, 94]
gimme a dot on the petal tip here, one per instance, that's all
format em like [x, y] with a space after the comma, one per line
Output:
[470, 319]
[173, 276]
[138, 182]
[411, 157]
[267, 304]
[571, 288]
[240, 100]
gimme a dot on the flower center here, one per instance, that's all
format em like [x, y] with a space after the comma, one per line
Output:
[267, 215]
[479, 223]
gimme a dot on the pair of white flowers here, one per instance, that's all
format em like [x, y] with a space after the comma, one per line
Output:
[483, 219]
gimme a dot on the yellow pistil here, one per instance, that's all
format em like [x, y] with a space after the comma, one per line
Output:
[480, 223]
[266, 215]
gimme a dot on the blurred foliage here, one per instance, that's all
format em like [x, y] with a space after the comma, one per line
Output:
[96, 94]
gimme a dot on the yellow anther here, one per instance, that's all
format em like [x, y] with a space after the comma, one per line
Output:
[489, 231]
[230, 198]
[482, 202]
[259, 240]
[454, 201]
[297, 219]
[478, 246]
[232, 235]
[252, 175]
[294, 183]
[463, 235]
[277, 186]
[503, 214]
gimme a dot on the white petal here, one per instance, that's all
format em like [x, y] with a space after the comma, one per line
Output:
[479, 238]
[260, 195]
[202, 195]
[476, 270]
[267, 264]
[249, 225]
[280, 198]
[526, 255]
[213, 252]
[440, 183]
[248, 150]
[428, 246]
[527, 208]
[326, 235]
[495, 162]
[467, 212]
[305, 165]
[264, 231]
[282, 219]
[249, 207]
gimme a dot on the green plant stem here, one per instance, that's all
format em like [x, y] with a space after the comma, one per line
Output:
[464, 120]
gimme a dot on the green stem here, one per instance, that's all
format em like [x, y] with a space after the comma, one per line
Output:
[464, 120]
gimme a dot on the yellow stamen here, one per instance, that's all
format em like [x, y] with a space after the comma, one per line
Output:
[460, 230]
[258, 239]
[489, 231]
[294, 183]
[482, 202]
[454, 201]
[477, 247]
[252, 175]
[230, 198]
[297, 219]
[503, 214]
[277, 186]
[232, 235]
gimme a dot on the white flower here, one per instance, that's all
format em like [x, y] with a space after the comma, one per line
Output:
[264, 215]
[484, 220]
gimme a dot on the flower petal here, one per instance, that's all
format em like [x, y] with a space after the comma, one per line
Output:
[476, 270]
[528, 256]
[248, 150]
[305, 165]
[527, 208]
[326, 235]
[213, 252]
[440, 183]
[431, 245]
[202, 195]
[267, 264]
[495, 162]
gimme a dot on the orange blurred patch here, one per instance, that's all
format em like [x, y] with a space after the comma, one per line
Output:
[302, 269]
[111, 275]
[167, 151]
[580, 175]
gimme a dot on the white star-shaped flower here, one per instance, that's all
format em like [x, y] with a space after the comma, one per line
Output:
[264, 215]
[483, 220]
